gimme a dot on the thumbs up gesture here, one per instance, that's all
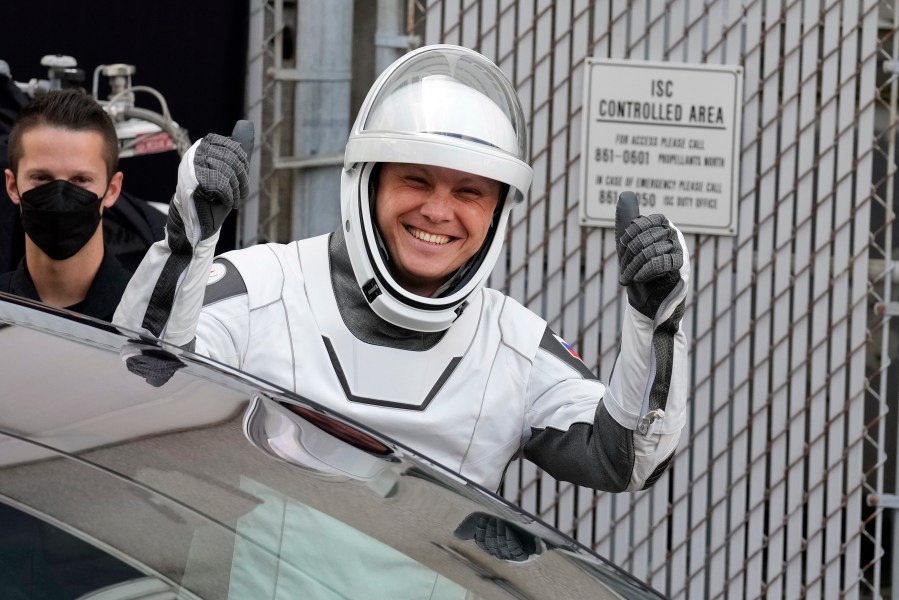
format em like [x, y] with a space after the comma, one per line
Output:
[221, 167]
[650, 256]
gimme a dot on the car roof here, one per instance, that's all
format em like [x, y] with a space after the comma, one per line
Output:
[164, 458]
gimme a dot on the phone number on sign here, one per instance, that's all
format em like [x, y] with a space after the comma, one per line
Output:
[628, 157]
[611, 197]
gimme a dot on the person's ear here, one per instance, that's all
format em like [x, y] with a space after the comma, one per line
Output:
[114, 189]
[11, 189]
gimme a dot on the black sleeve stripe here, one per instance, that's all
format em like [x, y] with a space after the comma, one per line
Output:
[551, 344]
[159, 309]
[663, 347]
[229, 286]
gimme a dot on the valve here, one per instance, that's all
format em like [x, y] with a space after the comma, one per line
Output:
[62, 72]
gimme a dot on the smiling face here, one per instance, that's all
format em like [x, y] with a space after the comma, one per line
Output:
[432, 220]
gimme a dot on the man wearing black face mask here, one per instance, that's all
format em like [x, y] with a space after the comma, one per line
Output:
[63, 154]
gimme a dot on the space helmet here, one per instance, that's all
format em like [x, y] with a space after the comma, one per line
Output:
[445, 106]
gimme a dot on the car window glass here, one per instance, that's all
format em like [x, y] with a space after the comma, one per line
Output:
[41, 561]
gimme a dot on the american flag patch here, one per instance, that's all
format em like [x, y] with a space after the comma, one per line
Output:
[568, 347]
[563, 351]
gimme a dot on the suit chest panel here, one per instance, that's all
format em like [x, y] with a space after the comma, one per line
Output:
[460, 401]
[371, 373]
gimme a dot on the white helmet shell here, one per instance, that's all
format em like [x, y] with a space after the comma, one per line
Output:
[445, 106]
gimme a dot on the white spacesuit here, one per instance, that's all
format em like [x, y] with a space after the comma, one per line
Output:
[467, 376]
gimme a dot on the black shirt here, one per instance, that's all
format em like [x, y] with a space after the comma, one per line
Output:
[102, 298]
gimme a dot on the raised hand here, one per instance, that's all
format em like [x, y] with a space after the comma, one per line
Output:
[650, 255]
[221, 166]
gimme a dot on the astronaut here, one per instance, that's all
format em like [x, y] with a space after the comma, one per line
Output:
[387, 319]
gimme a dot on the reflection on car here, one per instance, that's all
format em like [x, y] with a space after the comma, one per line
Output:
[131, 469]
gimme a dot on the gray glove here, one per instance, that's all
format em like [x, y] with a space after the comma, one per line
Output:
[152, 363]
[649, 255]
[221, 166]
[497, 537]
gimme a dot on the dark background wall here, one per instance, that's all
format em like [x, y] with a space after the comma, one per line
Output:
[191, 51]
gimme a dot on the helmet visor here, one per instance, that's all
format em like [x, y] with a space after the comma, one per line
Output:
[451, 93]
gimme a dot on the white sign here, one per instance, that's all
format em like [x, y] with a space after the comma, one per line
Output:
[668, 132]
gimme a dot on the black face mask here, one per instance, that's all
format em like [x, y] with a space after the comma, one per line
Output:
[60, 217]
